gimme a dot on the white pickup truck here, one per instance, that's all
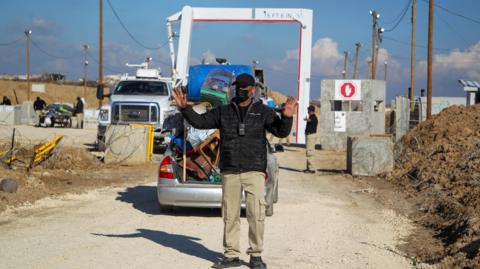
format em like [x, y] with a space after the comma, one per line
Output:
[141, 99]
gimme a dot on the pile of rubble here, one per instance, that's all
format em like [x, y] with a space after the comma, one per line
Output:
[438, 164]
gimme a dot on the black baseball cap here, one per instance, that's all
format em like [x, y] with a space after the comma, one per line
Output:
[244, 80]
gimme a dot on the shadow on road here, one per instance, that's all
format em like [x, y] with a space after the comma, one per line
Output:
[144, 199]
[331, 171]
[291, 169]
[182, 243]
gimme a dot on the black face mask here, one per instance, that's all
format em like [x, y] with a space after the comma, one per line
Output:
[242, 95]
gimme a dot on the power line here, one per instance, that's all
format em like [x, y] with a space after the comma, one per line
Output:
[409, 44]
[11, 42]
[454, 13]
[401, 17]
[129, 33]
[48, 53]
[106, 67]
[407, 5]
[453, 29]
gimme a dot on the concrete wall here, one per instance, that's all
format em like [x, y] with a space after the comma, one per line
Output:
[28, 114]
[126, 144]
[9, 115]
[369, 156]
[358, 123]
[440, 103]
[402, 116]
[90, 119]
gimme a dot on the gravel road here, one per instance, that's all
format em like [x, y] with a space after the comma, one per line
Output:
[321, 221]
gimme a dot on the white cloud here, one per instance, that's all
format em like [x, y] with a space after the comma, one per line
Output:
[209, 57]
[464, 63]
[326, 59]
[395, 71]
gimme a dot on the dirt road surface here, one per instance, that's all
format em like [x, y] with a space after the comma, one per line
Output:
[321, 221]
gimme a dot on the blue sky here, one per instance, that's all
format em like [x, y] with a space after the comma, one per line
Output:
[61, 27]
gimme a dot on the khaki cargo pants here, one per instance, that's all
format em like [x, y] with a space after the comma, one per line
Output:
[253, 183]
[311, 140]
[79, 120]
[38, 113]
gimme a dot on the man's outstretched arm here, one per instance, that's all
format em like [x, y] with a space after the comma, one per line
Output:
[281, 126]
[209, 120]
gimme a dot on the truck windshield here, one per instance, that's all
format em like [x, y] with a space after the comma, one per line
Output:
[142, 88]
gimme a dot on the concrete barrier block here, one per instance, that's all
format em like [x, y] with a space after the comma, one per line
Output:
[7, 115]
[369, 155]
[126, 144]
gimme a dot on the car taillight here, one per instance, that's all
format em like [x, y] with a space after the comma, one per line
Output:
[166, 168]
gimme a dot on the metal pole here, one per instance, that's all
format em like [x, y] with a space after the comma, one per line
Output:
[429, 60]
[85, 65]
[377, 48]
[171, 47]
[27, 34]
[385, 76]
[369, 65]
[357, 51]
[100, 51]
[374, 35]
[344, 73]
[412, 60]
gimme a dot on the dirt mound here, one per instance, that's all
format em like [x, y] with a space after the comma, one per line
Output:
[71, 158]
[438, 163]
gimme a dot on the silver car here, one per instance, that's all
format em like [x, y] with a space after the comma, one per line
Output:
[172, 192]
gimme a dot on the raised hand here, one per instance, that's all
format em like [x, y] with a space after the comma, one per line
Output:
[290, 106]
[180, 98]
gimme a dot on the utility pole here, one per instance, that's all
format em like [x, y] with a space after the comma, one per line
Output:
[100, 52]
[377, 49]
[85, 65]
[412, 60]
[375, 17]
[385, 69]
[357, 52]
[429, 60]
[369, 66]
[27, 34]
[344, 72]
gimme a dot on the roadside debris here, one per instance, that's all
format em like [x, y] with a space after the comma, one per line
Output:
[9, 185]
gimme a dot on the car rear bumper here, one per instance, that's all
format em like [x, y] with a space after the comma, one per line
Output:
[191, 195]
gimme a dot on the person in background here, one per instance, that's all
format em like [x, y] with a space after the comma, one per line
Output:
[79, 112]
[38, 106]
[310, 138]
[6, 101]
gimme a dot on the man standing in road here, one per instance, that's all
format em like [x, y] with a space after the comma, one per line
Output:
[243, 161]
[79, 112]
[310, 138]
[38, 106]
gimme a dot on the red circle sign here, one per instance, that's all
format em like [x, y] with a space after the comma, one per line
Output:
[347, 90]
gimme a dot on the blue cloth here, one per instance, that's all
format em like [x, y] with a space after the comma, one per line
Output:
[271, 103]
